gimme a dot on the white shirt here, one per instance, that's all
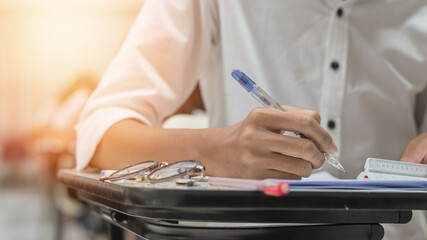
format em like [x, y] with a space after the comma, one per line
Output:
[370, 93]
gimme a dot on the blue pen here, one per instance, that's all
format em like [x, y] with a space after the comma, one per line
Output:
[268, 101]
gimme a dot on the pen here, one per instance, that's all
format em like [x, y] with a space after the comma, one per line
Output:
[267, 101]
[268, 187]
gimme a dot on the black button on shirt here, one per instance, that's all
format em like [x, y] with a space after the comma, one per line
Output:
[331, 124]
[335, 65]
[340, 12]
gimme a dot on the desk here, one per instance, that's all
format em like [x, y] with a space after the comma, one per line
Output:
[152, 212]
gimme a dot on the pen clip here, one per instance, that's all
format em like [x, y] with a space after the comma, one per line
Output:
[282, 188]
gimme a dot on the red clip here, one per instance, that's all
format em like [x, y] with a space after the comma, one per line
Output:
[282, 188]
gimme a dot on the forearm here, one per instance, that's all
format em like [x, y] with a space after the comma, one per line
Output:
[251, 148]
[130, 141]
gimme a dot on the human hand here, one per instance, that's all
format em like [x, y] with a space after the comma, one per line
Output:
[416, 151]
[253, 147]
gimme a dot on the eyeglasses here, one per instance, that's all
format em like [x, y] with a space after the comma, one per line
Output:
[155, 172]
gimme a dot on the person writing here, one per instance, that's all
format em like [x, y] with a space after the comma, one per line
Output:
[352, 74]
[352, 64]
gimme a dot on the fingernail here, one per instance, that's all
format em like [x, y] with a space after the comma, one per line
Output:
[332, 148]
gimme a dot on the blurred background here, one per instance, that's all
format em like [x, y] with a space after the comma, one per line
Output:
[52, 54]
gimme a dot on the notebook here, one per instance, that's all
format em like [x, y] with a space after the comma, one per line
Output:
[379, 174]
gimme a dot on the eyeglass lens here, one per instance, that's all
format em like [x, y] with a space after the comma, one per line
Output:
[134, 169]
[173, 170]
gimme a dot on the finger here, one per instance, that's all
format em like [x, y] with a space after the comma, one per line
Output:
[416, 151]
[277, 120]
[412, 156]
[279, 162]
[408, 156]
[300, 147]
[307, 112]
[288, 164]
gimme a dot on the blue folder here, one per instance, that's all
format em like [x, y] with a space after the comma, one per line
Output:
[360, 184]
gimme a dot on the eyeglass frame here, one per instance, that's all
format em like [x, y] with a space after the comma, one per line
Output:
[190, 172]
[155, 164]
[154, 168]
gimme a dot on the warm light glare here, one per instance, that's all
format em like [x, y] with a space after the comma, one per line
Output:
[46, 44]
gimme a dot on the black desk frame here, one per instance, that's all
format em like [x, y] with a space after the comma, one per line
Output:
[152, 213]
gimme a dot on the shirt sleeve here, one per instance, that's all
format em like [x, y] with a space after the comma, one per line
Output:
[151, 76]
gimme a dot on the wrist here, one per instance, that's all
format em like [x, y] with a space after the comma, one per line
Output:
[216, 148]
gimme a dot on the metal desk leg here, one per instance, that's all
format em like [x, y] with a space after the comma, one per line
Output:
[114, 232]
